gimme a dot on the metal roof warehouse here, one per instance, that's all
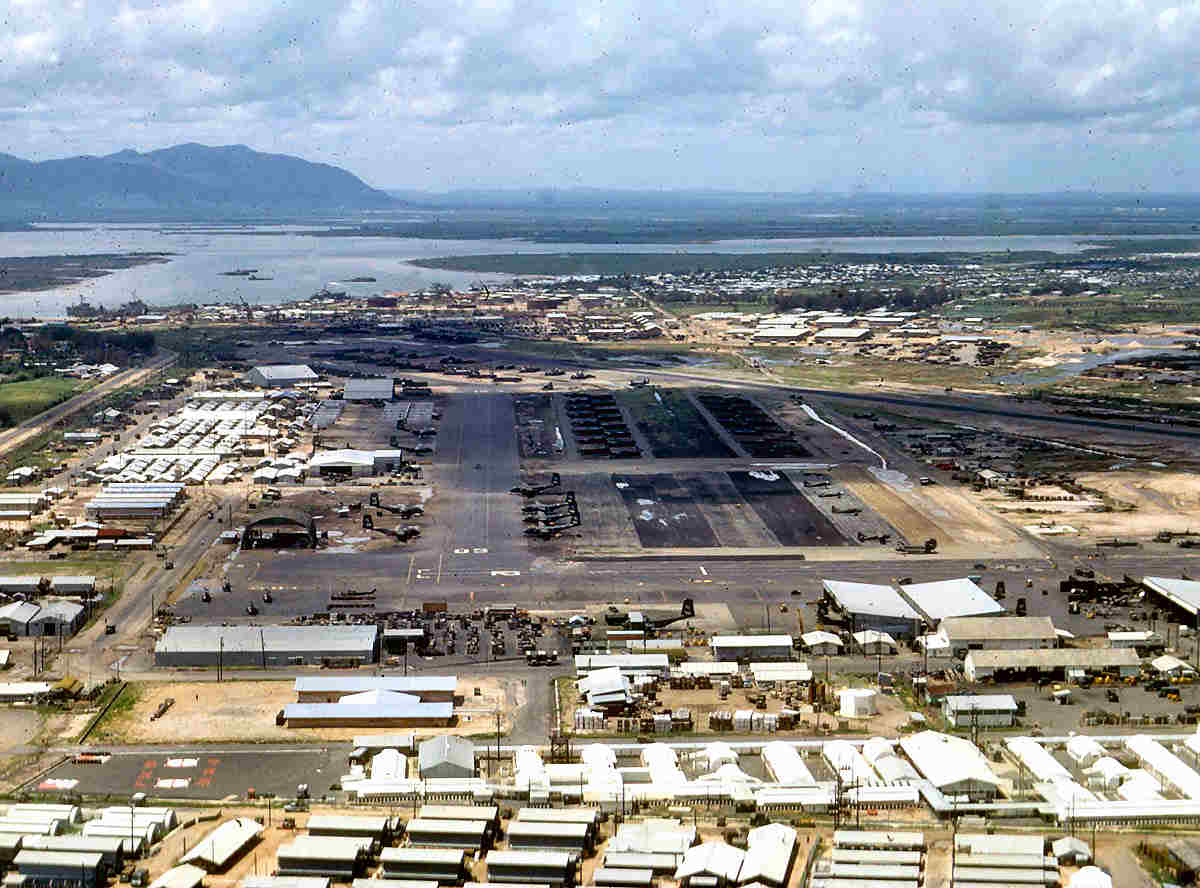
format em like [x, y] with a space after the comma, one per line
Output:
[950, 598]
[272, 645]
[984, 664]
[471, 835]
[1184, 594]
[329, 688]
[760, 647]
[872, 606]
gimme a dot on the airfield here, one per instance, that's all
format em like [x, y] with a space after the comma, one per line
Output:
[696, 508]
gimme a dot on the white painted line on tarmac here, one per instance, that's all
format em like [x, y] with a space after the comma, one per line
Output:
[506, 573]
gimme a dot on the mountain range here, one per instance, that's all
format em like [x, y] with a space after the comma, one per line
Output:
[183, 180]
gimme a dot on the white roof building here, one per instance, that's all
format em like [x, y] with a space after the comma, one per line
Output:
[217, 849]
[950, 598]
[711, 859]
[1182, 593]
[952, 764]
[280, 375]
[817, 640]
[769, 851]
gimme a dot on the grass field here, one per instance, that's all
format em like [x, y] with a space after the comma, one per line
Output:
[858, 371]
[1109, 313]
[23, 400]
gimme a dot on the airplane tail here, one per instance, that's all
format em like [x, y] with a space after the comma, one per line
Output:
[689, 608]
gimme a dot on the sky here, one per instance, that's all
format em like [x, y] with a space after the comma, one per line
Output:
[752, 95]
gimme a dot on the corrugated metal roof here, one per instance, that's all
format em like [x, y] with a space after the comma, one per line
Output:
[353, 684]
[446, 749]
[285, 372]
[559, 815]
[525, 829]
[719, 641]
[220, 846]
[395, 883]
[285, 882]
[865, 838]
[1185, 593]
[472, 828]
[68, 860]
[531, 859]
[335, 848]
[350, 713]
[1051, 658]
[870, 598]
[183, 876]
[351, 823]
[278, 639]
[433, 856]
[459, 812]
[967, 629]
[950, 598]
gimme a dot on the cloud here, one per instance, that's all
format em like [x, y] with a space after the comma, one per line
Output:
[437, 93]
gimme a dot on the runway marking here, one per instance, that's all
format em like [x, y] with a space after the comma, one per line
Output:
[703, 571]
[480, 550]
[439, 574]
[462, 551]
[411, 559]
[506, 573]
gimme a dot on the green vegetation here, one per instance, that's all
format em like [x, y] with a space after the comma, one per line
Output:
[858, 371]
[111, 728]
[1110, 314]
[20, 401]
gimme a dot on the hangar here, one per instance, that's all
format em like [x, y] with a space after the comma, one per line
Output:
[280, 375]
[961, 597]
[261, 646]
[281, 529]
[1184, 594]
[872, 606]
[346, 463]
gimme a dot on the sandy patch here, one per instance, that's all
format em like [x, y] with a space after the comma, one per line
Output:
[244, 711]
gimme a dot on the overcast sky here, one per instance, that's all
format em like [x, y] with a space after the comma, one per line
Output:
[896, 95]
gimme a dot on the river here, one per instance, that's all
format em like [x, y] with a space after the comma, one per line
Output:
[300, 263]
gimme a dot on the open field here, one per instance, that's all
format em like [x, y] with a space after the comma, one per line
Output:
[244, 711]
[22, 400]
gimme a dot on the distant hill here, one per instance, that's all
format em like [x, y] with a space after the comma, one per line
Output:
[180, 181]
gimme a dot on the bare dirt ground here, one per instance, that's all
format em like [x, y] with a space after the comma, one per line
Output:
[948, 515]
[902, 516]
[244, 711]
[1160, 501]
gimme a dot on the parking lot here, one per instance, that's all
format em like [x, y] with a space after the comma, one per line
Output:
[201, 773]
